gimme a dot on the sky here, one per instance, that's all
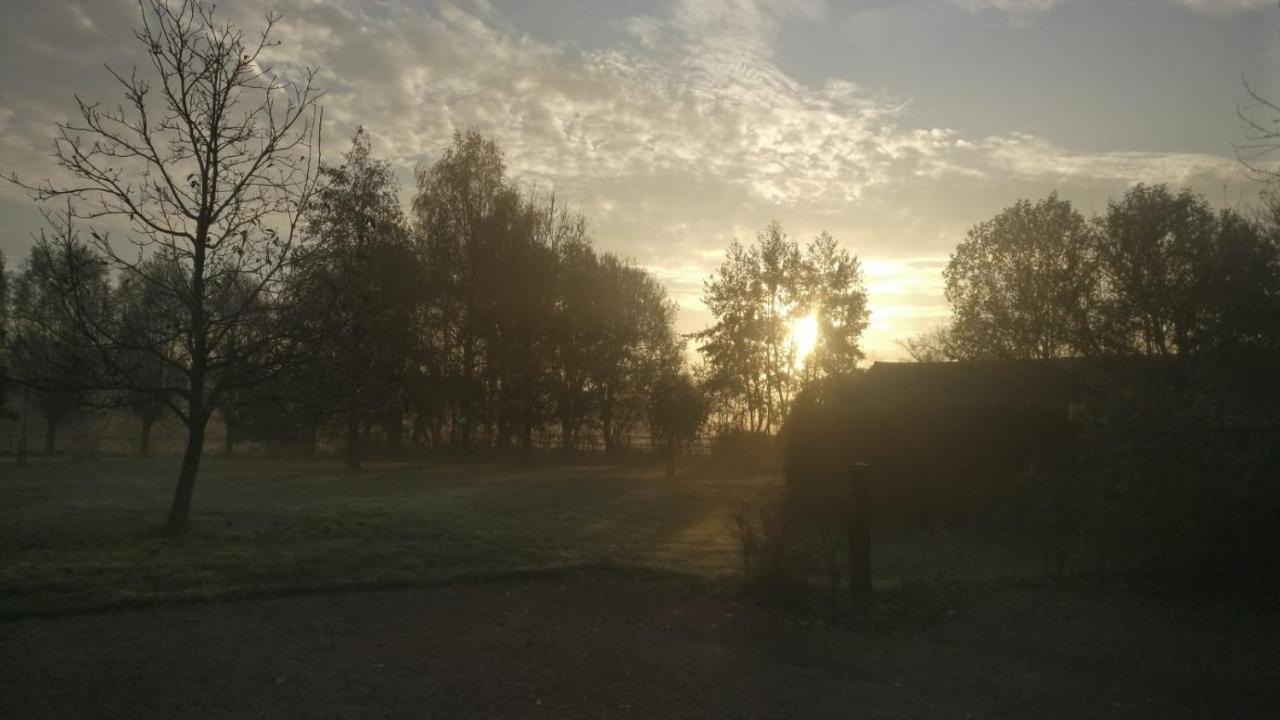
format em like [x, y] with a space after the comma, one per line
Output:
[677, 126]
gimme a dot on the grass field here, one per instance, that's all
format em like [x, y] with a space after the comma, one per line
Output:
[85, 535]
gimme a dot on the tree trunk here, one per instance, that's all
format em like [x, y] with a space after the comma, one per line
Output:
[353, 438]
[50, 434]
[228, 441]
[313, 440]
[197, 415]
[144, 444]
[673, 453]
[467, 375]
[419, 430]
[526, 442]
[394, 428]
[180, 511]
[568, 436]
[606, 427]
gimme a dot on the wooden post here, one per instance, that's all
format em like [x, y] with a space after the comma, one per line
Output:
[859, 539]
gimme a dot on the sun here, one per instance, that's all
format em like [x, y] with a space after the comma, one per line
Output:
[804, 337]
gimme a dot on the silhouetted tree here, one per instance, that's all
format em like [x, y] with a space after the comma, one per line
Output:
[520, 316]
[1156, 253]
[51, 357]
[1245, 282]
[732, 346]
[577, 331]
[677, 413]
[1025, 284]
[526, 325]
[209, 162]
[935, 345]
[638, 346]
[364, 287]
[755, 297]
[831, 288]
[454, 209]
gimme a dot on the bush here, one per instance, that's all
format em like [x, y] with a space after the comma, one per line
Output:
[764, 526]
[1171, 492]
[746, 452]
[786, 541]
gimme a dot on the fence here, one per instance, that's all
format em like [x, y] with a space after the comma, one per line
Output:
[120, 434]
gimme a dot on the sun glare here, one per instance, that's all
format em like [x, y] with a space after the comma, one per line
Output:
[804, 337]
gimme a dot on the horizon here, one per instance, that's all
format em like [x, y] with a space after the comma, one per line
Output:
[677, 127]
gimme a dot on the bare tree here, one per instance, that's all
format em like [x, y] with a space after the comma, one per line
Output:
[4, 336]
[210, 163]
[1261, 120]
[933, 345]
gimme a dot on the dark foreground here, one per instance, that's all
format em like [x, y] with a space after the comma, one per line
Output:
[602, 646]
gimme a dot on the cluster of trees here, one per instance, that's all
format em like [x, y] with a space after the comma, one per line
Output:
[288, 296]
[478, 321]
[1159, 273]
[783, 316]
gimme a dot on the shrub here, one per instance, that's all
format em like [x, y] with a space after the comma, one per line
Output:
[745, 452]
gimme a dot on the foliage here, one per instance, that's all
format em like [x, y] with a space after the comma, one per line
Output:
[1023, 284]
[755, 297]
[57, 364]
[363, 292]
[744, 451]
[765, 530]
[1156, 253]
[1160, 273]
[677, 413]
[528, 324]
[1172, 482]
[1148, 468]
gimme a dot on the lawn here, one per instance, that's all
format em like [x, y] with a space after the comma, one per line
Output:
[85, 535]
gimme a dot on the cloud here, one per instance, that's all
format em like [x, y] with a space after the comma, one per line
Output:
[1226, 7]
[1024, 10]
[1006, 6]
[1016, 12]
[683, 136]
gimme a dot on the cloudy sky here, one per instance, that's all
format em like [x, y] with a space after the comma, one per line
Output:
[678, 125]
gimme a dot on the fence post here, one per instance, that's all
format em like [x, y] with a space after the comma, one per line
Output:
[859, 539]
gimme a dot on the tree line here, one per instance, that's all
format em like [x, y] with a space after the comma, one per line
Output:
[1159, 273]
